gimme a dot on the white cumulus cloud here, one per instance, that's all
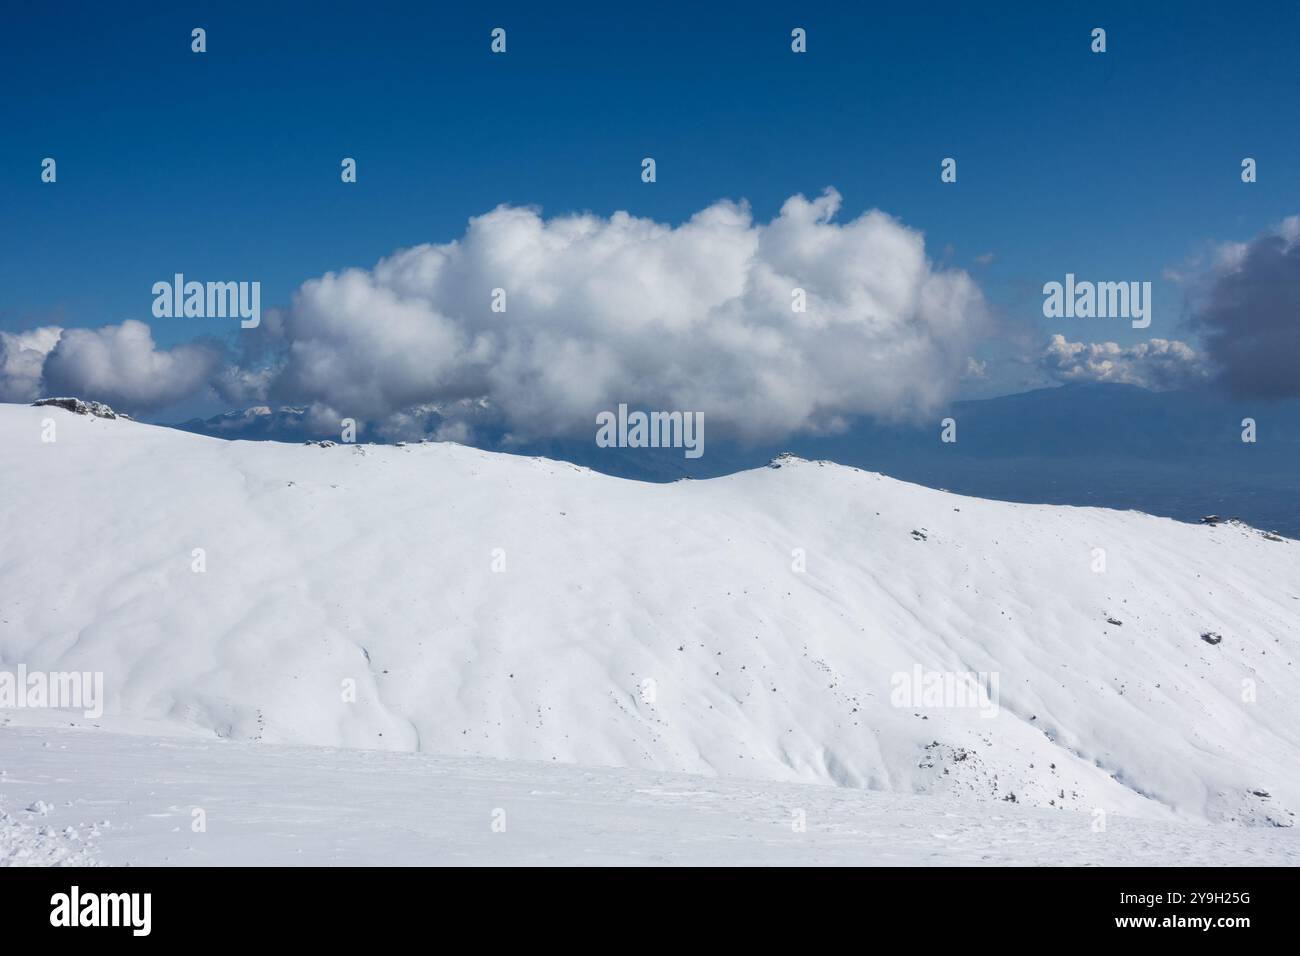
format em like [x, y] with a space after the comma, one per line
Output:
[605, 310]
[599, 311]
[120, 365]
[22, 362]
[1159, 364]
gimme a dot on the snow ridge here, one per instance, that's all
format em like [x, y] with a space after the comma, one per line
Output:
[769, 625]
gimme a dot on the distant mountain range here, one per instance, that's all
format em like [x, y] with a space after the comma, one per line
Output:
[1177, 454]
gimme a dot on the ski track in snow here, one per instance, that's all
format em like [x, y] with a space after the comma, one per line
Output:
[373, 564]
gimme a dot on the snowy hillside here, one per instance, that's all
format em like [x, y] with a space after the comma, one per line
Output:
[490, 605]
[65, 800]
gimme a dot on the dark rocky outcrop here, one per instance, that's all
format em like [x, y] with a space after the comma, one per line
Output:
[79, 407]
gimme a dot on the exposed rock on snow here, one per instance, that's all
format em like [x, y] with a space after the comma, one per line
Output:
[97, 409]
[1214, 521]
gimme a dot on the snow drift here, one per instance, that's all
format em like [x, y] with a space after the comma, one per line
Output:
[439, 598]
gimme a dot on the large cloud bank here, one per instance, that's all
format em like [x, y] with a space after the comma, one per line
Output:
[602, 311]
[1249, 314]
[598, 311]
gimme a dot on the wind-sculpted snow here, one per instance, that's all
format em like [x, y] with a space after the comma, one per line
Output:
[491, 605]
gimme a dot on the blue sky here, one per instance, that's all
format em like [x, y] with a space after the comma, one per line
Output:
[225, 165]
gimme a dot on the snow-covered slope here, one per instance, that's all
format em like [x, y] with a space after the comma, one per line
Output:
[512, 607]
[73, 798]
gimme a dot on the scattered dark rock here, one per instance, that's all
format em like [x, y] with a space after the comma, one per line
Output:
[1238, 523]
[918, 535]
